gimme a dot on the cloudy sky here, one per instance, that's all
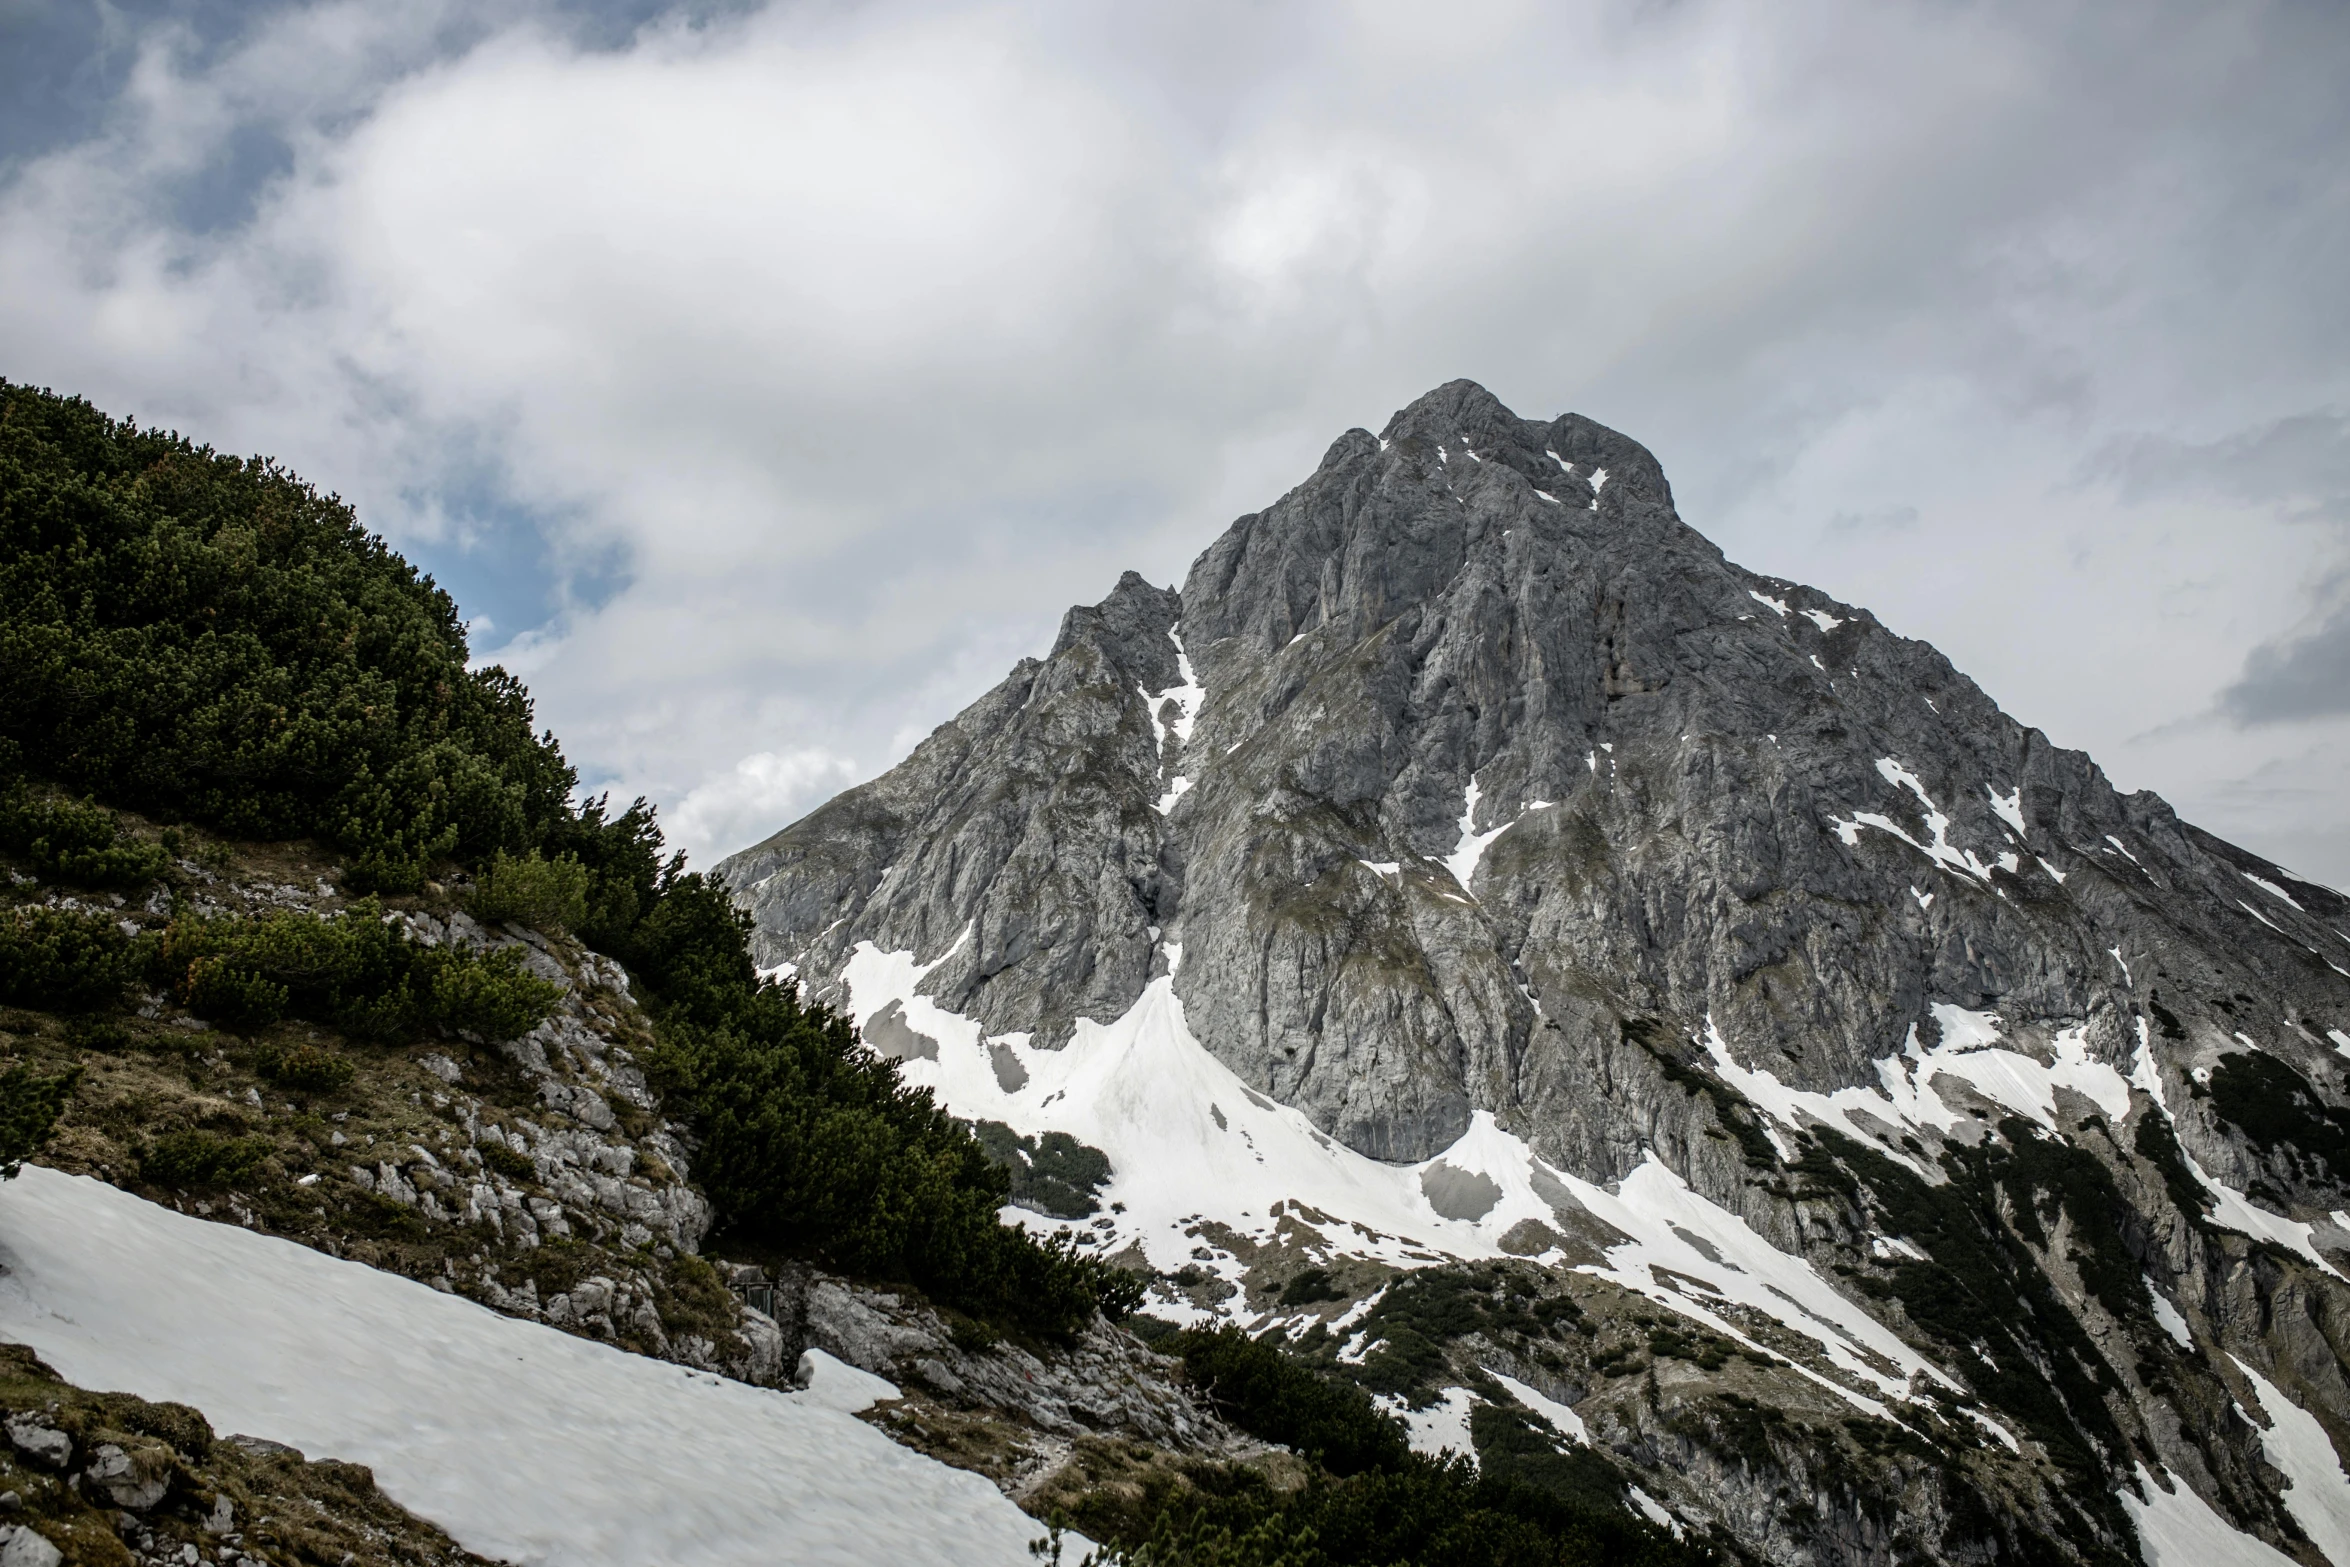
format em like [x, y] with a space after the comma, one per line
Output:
[765, 379]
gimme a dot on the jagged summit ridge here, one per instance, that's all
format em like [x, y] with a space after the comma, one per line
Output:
[1469, 600]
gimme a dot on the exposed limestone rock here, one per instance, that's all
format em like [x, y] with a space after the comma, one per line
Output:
[1466, 778]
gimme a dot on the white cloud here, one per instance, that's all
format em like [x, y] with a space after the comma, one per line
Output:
[864, 340]
[762, 791]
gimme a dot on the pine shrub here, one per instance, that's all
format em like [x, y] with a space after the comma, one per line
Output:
[75, 841]
[63, 958]
[549, 895]
[30, 1103]
[358, 971]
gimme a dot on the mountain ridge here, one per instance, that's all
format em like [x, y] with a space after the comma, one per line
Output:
[1466, 805]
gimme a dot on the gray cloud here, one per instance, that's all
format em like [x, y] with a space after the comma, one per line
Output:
[2300, 464]
[1886, 519]
[2297, 677]
[809, 360]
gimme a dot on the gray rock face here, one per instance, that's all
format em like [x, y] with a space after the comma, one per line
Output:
[1487, 784]
[1105, 1382]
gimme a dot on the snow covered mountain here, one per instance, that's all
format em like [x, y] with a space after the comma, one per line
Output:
[1469, 863]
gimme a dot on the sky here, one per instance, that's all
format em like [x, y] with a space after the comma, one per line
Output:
[764, 380]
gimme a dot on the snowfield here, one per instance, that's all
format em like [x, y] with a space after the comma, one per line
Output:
[522, 1442]
[1189, 1142]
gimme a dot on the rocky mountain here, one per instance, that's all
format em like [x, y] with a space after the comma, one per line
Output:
[1813, 1091]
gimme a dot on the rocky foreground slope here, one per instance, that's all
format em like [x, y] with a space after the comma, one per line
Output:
[1579, 987]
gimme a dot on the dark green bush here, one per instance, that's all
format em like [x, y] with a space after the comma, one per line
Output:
[533, 890]
[97, 1033]
[30, 1103]
[232, 995]
[2275, 1107]
[63, 958]
[810, 1143]
[75, 841]
[1054, 1174]
[1309, 1286]
[1370, 1501]
[307, 1069]
[1275, 1396]
[208, 637]
[512, 1163]
[358, 971]
[197, 1160]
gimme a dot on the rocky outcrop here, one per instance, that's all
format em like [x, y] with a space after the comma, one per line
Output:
[1011, 1411]
[1467, 778]
[537, 1175]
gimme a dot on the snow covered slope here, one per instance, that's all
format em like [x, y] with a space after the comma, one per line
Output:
[521, 1441]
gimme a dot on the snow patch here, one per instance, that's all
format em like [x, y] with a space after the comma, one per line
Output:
[2179, 1529]
[1462, 862]
[1654, 1510]
[1443, 1427]
[1822, 619]
[838, 1386]
[1940, 850]
[1779, 605]
[2231, 1208]
[1561, 1416]
[2168, 1316]
[522, 1441]
[1188, 695]
[1188, 1141]
[1972, 1051]
[1676, 1233]
[2317, 1491]
[2009, 806]
[2274, 891]
[2237, 1212]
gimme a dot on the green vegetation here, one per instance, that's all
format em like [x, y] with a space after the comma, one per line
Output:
[1427, 1309]
[2157, 1142]
[76, 841]
[195, 1160]
[1983, 1295]
[1055, 1174]
[30, 1103]
[360, 972]
[1369, 1499]
[551, 895]
[63, 958]
[812, 1144]
[1309, 1286]
[510, 1162]
[1273, 1395]
[203, 637]
[207, 639]
[306, 1069]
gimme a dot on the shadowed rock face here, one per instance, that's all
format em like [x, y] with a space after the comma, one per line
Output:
[1488, 784]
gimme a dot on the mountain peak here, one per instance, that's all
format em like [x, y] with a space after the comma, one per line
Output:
[1470, 858]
